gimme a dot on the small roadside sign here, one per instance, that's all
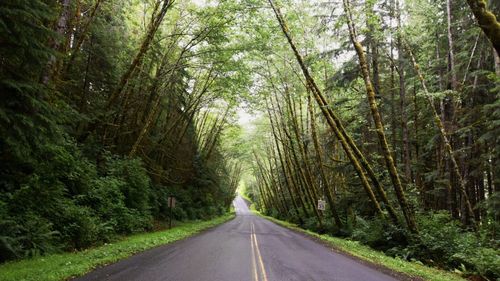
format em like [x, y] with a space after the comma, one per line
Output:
[321, 205]
[171, 205]
[171, 202]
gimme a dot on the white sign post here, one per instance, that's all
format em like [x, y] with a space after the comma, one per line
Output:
[321, 205]
[171, 202]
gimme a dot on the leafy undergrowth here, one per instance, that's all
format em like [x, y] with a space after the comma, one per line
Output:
[67, 265]
[354, 248]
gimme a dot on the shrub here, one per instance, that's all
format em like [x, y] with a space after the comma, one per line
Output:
[35, 235]
[378, 234]
[79, 227]
[442, 241]
[136, 187]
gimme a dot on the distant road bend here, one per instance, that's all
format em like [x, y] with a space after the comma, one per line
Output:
[248, 248]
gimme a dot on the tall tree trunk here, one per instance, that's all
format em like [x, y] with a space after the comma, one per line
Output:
[268, 184]
[405, 138]
[155, 88]
[451, 52]
[332, 120]
[444, 137]
[83, 35]
[159, 11]
[291, 158]
[448, 111]
[288, 182]
[61, 30]
[317, 148]
[304, 169]
[278, 183]
[377, 119]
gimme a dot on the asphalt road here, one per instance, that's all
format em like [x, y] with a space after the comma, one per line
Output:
[246, 248]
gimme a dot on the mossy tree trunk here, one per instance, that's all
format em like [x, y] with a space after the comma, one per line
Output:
[444, 136]
[319, 152]
[377, 119]
[487, 21]
[332, 119]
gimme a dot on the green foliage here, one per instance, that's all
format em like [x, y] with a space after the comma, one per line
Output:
[63, 185]
[32, 237]
[443, 242]
[135, 187]
[79, 227]
[378, 234]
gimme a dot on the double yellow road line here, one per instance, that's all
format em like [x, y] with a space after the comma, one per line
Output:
[257, 263]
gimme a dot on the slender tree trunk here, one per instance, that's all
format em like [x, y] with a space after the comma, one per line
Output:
[448, 111]
[332, 120]
[268, 185]
[159, 12]
[288, 182]
[61, 30]
[260, 182]
[372, 44]
[321, 168]
[377, 119]
[444, 137]
[405, 138]
[154, 110]
[451, 52]
[83, 35]
[278, 186]
[290, 158]
[393, 79]
[306, 171]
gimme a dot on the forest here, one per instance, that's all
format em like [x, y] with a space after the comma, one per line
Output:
[386, 111]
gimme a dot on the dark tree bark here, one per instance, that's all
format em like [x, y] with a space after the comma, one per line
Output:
[61, 30]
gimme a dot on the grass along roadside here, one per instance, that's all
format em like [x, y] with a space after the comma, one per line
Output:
[66, 265]
[363, 252]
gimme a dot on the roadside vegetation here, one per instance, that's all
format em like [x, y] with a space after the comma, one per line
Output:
[57, 267]
[107, 109]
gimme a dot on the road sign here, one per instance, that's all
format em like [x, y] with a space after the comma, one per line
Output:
[171, 202]
[171, 205]
[321, 205]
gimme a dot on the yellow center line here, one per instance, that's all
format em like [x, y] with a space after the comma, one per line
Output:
[263, 269]
[254, 268]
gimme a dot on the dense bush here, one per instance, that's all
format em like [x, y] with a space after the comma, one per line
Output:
[67, 203]
[67, 177]
[441, 242]
[378, 234]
